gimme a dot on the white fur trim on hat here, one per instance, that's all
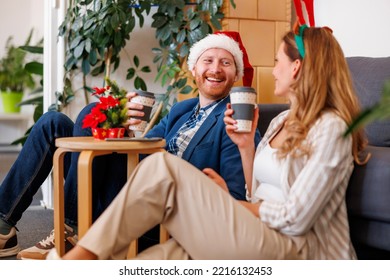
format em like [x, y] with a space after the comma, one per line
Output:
[217, 41]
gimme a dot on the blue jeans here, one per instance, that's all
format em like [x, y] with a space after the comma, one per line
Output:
[35, 162]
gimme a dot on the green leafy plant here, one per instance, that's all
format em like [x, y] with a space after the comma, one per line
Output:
[96, 32]
[377, 112]
[179, 24]
[35, 98]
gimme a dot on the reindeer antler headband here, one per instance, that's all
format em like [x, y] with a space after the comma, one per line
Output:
[301, 23]
[309, 9]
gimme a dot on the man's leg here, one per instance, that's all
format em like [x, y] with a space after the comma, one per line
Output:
[42, 248]
[31, 168]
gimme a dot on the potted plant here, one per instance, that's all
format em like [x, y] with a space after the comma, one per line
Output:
[107, 118]
[14, 78]
[96, 32]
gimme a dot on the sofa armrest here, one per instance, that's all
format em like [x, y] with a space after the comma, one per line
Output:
[267, 112]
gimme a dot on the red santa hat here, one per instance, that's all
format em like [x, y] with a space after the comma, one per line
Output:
[229, 41]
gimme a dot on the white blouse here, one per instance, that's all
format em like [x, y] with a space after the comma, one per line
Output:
[267, 171]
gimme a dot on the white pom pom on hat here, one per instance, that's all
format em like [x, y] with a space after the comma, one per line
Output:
[229, 41]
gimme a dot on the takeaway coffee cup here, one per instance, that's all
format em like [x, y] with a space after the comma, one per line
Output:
[243, 100]
[147, 99]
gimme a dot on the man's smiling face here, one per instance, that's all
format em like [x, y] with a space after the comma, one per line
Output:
[215, 73]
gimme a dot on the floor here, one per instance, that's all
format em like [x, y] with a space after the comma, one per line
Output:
[37, 222]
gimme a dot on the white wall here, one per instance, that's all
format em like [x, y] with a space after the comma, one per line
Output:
[17, 17]
[141, 43]
[362, 27]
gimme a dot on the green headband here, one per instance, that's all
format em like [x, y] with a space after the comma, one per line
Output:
[299, 40]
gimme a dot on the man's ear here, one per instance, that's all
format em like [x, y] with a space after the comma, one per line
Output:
[236, 78]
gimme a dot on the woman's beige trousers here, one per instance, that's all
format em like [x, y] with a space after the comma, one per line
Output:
[204, 221]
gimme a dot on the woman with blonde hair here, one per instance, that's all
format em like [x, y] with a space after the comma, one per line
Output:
[296, 178]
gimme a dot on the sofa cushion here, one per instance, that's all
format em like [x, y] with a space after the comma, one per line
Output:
[369, 75]
[266, 113]
[368, 191]
[370, 233]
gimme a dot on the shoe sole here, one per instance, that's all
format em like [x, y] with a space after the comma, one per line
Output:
[33, 259]
[9, 252]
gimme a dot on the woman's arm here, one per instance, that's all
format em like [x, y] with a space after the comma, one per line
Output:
[244, 141]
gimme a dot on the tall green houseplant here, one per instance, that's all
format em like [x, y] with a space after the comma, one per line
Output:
[97, 31]
[179, 24]
[14, 78]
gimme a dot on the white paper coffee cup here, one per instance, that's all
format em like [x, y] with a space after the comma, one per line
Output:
[243, 100]
[147, 99]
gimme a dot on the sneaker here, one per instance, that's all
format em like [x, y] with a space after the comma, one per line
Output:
[9, 244]
[42, 248]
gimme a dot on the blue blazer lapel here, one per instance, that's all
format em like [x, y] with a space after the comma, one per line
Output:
[208, 124]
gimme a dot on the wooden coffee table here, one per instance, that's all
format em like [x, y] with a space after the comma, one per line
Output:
[88, 147]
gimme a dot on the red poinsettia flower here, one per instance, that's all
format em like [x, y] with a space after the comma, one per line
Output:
[100, 91]
[93, 119]
[108, 102]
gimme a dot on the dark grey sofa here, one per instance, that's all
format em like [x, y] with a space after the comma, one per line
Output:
[368, 194]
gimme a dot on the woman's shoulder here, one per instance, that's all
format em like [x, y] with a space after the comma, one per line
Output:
[280, 118]
[329, 121]
[331, 118]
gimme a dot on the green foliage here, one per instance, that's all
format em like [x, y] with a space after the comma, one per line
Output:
[379, 111]
[179, 24]
[96, 31]
[132, 72]
[36, 96]
[13, 76]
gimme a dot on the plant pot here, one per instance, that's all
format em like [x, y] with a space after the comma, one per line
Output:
[10, 100]
[102, 133]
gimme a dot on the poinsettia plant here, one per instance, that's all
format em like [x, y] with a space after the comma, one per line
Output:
[110, 111]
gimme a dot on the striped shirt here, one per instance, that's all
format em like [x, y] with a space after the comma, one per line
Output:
[314, 211]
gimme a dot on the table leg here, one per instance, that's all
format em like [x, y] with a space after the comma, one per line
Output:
[132, 161]
[84, 189]
[58, 176]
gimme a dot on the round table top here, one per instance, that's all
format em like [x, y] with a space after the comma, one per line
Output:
[92, 144]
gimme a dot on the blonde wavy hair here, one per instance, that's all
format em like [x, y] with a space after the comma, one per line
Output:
[323, 83]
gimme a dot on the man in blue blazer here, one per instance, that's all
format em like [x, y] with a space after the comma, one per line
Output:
[209, 147]
[193, 129]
